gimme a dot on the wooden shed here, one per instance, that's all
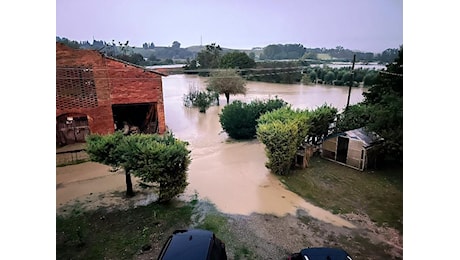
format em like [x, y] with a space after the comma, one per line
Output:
[355, 148]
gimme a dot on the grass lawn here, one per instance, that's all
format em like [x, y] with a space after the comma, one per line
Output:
[377, 193]
[118, 234]
[122, 234]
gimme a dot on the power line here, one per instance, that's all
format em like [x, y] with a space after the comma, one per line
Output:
[147, 78]
[273, 72]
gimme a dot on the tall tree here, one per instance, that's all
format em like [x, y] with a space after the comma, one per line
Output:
[103, 149]
[236, 60]
[319, 121]
[176, 45]
[227, 82]
[209, 58]
[385, 99]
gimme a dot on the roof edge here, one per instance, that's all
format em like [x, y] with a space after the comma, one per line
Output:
[115, 59]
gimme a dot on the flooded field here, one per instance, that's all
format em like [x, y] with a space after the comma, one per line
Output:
[232, 174]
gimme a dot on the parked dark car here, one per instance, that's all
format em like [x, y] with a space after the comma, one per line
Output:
[193, 244]
[321, 253]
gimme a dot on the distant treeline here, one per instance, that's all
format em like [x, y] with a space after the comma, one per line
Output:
[287, 71]
[298, 51]
[155, 55]
[301, 72]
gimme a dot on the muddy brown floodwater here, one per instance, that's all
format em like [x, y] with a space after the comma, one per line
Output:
[230, 174]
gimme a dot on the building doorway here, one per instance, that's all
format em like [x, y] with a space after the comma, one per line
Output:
[342, 149]
[141, 118]
[71, 128]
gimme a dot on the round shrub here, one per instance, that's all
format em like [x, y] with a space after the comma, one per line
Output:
[239, 119]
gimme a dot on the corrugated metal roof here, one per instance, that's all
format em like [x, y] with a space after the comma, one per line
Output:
[368, 138]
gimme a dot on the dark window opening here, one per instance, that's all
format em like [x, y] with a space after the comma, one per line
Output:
[136, 118]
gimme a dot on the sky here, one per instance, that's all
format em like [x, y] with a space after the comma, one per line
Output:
[363, 25]
[28, 95]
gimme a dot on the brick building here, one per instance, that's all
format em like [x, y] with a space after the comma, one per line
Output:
[99, 94]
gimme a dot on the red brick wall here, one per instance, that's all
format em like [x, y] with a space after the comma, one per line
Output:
[116, 83]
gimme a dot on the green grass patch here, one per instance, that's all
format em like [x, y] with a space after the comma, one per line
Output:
[117, 234]
[340, 189]
[218, 223]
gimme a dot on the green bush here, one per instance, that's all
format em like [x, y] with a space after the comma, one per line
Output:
[370, 78]
[306, 79]
[282, 131]
[239, 119]
[320, 120]
[102, 148]
[162, 159]
[201, 99]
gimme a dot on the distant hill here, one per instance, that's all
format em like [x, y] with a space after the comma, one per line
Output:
[269, 52]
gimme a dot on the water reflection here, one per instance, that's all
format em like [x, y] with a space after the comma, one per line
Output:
[232, 174]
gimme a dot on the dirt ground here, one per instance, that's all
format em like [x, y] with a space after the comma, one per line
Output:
[276, 236]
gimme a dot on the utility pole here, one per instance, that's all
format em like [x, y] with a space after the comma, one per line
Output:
[352, 80]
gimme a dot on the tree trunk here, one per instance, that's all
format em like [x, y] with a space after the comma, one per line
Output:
[129, 185]
[227, 96]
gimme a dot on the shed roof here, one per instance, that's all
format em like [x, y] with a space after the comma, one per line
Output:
[368, 138]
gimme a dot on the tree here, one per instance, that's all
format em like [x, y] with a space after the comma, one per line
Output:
[125, 48]
[209, 57]
[382, 109]
[319, 122]
[356, 116]
[152, 158]
[280, 51]
[176, 45]
[313, 76]
[227, 82]
[103, 149]
[152, 58]
[385, 99]
[236, 60]
[370, 78]
[329, 77]
[306, 79]
[157, 159]
[71, 44]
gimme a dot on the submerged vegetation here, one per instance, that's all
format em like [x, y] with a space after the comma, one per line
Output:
[202, 99]
[239, 119]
